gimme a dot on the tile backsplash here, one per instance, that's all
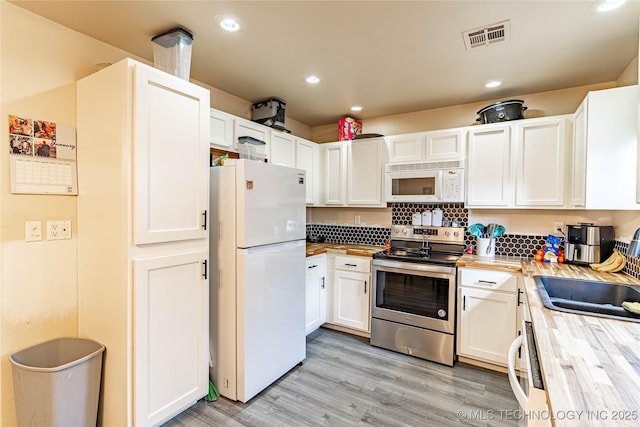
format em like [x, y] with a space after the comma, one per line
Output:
[517, 245]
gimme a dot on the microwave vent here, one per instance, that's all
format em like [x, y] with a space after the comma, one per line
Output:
[425, 166]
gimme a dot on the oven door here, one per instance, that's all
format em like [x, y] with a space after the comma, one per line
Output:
[413, 186]
[421, 295]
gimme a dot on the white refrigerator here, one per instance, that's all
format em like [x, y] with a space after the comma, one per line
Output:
[257, 286]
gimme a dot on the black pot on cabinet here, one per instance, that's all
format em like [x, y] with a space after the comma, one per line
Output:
[502, 111]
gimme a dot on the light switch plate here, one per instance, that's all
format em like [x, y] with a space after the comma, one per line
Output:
[32, 231]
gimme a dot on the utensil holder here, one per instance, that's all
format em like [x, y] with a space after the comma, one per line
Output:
[486, 247]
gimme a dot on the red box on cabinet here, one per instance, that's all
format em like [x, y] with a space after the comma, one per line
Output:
[348, 128]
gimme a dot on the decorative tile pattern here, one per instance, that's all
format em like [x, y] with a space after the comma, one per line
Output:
[354, 234]
[517, 245]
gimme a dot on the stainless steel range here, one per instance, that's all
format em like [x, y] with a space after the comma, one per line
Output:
[414, 298]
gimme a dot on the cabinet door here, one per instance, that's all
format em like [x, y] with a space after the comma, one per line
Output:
[220, 129]
[242, 127]
[283, 149]
[316, 303]
[306, 157]
[405, 148]
[170, 158]
[334, 169]
[365, 165]
[489, 169]
[444, 145]
[487, 324]
[541, 146]
[171, 335]
[351, 306]
[579, 156]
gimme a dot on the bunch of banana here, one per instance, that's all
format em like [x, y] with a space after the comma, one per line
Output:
[613, 264]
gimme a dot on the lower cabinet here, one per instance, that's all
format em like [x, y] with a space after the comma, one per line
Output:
[487, 314]
[351, 292]
[316, 292]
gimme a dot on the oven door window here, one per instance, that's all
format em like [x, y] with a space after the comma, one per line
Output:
[420, 295]
[424, 186]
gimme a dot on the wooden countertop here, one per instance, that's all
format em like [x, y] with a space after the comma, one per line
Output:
[345, 249]
[590, 365]
[502, 263]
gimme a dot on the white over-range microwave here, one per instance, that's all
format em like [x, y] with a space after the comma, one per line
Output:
[425, 182]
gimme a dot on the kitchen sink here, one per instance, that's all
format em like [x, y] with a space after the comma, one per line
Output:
[602, 299]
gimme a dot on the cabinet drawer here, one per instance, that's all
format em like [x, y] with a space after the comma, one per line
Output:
[353, 263]
[316, 265]
[488, 279]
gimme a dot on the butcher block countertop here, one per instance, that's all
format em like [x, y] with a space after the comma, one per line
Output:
[590, 365]
[342, 248]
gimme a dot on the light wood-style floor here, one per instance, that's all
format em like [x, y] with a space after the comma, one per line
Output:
[344, 381]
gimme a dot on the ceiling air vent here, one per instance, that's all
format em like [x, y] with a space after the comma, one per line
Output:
[487, 35]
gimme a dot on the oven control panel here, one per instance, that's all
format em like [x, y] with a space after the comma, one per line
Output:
[435, 234]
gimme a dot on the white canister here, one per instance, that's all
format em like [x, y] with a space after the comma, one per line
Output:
[426, 218]
[436, 217]
[486, 247]
[417, 219]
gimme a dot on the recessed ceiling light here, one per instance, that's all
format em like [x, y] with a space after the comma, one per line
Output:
[356, 108]
[493, 83]
[312, 79]
[607, 5]
[229, 23]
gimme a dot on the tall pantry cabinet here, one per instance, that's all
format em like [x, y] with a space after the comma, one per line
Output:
[143, 176]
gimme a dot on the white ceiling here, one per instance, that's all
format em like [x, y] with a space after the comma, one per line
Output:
[391, 57]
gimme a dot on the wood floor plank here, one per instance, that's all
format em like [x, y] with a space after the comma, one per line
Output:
[344, 381]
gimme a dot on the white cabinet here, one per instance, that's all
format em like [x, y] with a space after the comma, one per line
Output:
[243, 127]
[489, 172]
[431, 146]
[605, 148]
[142, 286]
[220, 129]
[541, 158]
[316, 292]
[520, 164]
[351, 290]
[334, 173]
[365, 172]
[487, 314]
[307, 159]
[405, 148]
[283, 149]
[444, 145]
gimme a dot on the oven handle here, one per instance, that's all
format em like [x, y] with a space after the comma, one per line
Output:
[521, 397]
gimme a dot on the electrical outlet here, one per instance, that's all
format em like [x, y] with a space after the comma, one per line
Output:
[558, 226]
[356, 219]
[32, 231]
[58, 230]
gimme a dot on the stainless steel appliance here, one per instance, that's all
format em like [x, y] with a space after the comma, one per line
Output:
[429, 182]
[588, 243]
[414, 292]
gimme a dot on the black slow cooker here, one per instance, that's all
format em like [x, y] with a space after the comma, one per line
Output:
[502, 111]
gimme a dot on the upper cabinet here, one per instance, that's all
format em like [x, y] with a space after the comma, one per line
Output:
[520, 164]
[365, 172]
[352, 173]
[256, 131]
[306, 155]
[605, 148]
[283, 149]
[489, 171]
[221, 129]
[541, 153]
[432, 146]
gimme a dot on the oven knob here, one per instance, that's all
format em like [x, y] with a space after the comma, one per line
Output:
[395, 230]
[447, 233]
[405, 231]
[456, 233]
[442, 313]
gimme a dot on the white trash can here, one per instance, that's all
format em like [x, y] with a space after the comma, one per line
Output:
[57, 383]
